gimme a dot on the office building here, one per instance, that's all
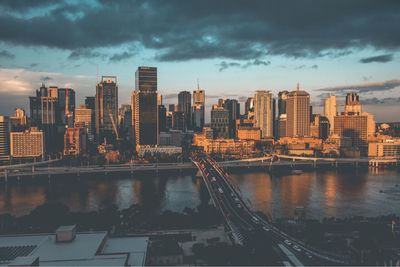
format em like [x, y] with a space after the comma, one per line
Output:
[248, 133]
[282, 99]
[27, 144]
[282, 125]
[75, 141]
[185, 106]
[4, 138]
[330, 110]
[169, 120]
[172, 108]
[264, 113]
[352, 105]
[220, 121]
[387, 148]
[298, 113]
[248, 106]
[179, 121]
[106, 110]
[18, 120]
[144, 107]
[162, 118]
[319, 127]
[66, 104]
[90, 102]
[198, 109]
[84, 118]
[233, 107]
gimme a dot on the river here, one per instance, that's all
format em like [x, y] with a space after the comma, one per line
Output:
[322, 193]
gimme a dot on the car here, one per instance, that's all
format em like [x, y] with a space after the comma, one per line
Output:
[287, 242]
[239, 206]
[297, 248]
[308, 255]
[213, 179]
[220, 190]
[265, 228]
[255, 219]
[237, 200]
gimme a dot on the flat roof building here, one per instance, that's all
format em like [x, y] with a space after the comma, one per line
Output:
[28, 144]
[68, 248]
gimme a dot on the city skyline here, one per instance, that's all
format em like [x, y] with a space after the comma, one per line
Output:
[231, 60]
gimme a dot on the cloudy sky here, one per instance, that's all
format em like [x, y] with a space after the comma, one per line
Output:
[233, 47]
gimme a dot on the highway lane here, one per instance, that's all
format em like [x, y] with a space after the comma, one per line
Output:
[302, 251]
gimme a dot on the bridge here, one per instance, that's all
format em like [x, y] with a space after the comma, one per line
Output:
[243, 222]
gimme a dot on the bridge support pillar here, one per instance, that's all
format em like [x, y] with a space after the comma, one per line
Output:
[315, 164]
[5, 175]
[33, 168]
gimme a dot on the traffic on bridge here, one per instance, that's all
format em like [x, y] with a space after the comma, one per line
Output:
[245, 224]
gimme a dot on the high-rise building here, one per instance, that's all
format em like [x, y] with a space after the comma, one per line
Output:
[179, 120]
[330, 110]
[298, 113]
[84, 119]
[220, 121]
[90, 102]
[28, 144]
[162, 118]
[264, 113]
[319, 127]
[106, 109]
[4, 138]
[185, 106]
[352, 105]
[66, 103]
[249, 107]
[198, 109]
[282, 98]
[355, 124]
[282, 125]
[233, 107]
[75, 141]
[172, 108]
[144, 107]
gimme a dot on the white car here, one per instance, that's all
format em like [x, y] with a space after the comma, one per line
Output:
[265, 228]
[297, 248]
[287, 242]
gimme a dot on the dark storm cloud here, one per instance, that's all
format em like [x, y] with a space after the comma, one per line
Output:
[23, 5]
[32, 65]
[376, 101]
[121, 56]
[256, 62]
[6, 54]
[185, 30]
[364, 88]
[379, 59]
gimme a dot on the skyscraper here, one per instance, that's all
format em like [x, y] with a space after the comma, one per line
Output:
[264, 113]
[162, 118]
[220, 121]
[352, 105]
[106, 109]
[198, 109]
[84, 118]
[282, 98]
[66, 103]
[144, 107]
[298, 113]
[233, 107]
[330, 110]
[4, 138]
[185, 106]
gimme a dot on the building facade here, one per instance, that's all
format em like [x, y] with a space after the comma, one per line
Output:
[4, 138]
[198, 109]
[75, 141]
[220, 121]
[298, 114]
[28, 144]
[106, 109]
[330, 111]
[144, 107]
[264, 113]
[185, 106]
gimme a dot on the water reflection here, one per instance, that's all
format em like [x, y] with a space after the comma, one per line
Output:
[322, 194]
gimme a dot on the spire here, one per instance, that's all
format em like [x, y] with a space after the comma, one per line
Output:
[298, 86]
[198, 84]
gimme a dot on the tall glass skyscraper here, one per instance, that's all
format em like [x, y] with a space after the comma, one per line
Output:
[106, 109]
[144, 107]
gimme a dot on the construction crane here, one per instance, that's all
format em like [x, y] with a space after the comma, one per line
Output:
[114, 125]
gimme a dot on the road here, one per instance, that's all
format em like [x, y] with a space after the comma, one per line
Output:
[244, 222]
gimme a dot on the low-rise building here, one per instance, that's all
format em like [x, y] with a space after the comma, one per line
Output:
[228, 147]
[248, 133]
[28, 144]
[387, 148]
[66, 247]
[159, 151]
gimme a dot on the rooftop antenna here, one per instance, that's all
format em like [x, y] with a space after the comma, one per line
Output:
[198, 84]
[298, 86]
[97, 73]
